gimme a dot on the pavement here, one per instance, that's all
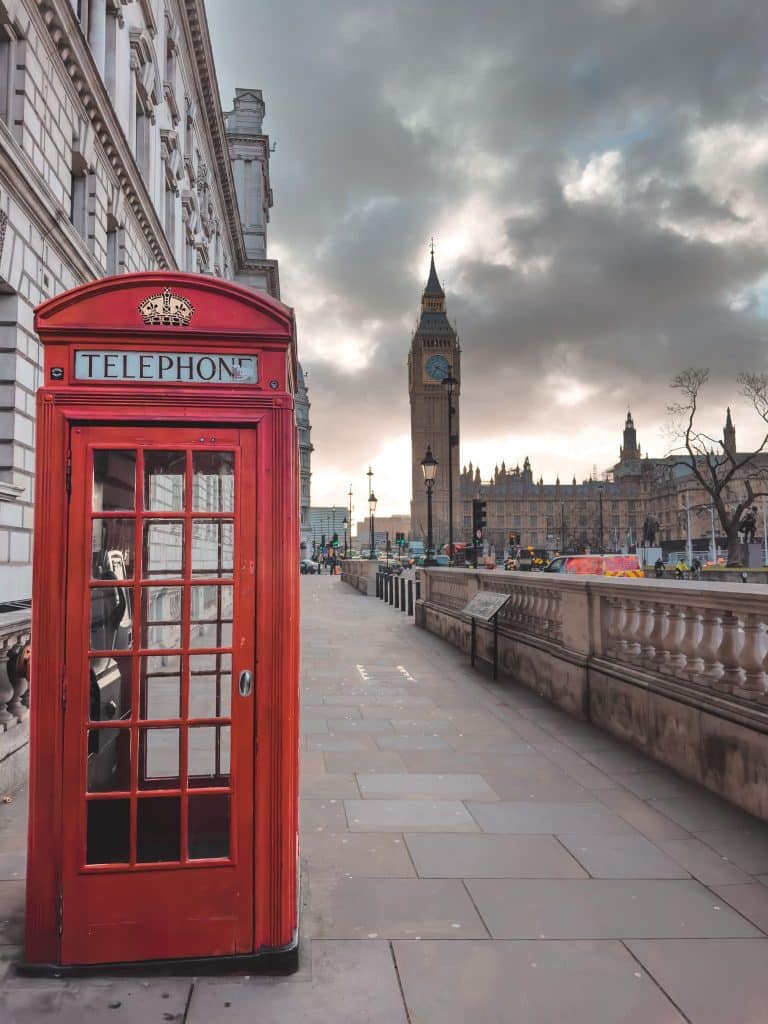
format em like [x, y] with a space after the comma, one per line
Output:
[470, 854]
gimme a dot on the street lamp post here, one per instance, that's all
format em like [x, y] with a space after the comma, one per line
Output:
[429, 469]
[449, 383]
[600, 499]
[345, 523]
[349, 515]
[372, 509]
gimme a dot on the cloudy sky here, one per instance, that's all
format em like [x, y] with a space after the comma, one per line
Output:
[594, 174]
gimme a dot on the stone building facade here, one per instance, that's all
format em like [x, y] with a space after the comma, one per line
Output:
[568, 516]
[305, 464]
[115, 156]
[434, 356]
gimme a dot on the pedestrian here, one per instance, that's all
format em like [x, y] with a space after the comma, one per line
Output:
[658, 568]
[695, 569]
[681, 569]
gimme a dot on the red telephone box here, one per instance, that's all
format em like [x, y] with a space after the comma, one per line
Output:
[164, 751]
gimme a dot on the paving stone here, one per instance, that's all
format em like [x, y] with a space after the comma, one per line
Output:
[493, 743]
[626, 760]
[709, 867]
[660, 784]
[409, 815]
[354, 981]
[311, 763]
[313, 727]
[330, 785]
[322, 815]
[704, 811]
[622, 857]
[751, 900]
[423, 727]
[712, 981]
[332, 742]
[363, 761]
[603, 909]
[443, 761]
[93, 1001]
[400, 743]
[746, 848]
[375, 855]
[552, 786]
[11, 913]
[646, 819]
[528, 983]
[528, 816]
[425, 787]
[491, 856]
[370, 726]
[13, 867]
[393, 908]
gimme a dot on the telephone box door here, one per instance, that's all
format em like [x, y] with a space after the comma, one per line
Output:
[159, 726]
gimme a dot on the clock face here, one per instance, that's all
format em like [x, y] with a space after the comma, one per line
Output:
[437, 367]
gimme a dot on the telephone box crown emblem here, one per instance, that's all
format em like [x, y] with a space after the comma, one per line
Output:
[166, 308]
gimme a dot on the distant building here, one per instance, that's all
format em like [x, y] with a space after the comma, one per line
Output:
[567, 516]
[384, 525]
[434, 356]
[305, 463]
[116, 157]
[324, 521]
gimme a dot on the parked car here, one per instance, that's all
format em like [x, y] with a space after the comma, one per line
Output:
[307, 567]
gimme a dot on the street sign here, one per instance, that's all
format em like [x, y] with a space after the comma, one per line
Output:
[485, 604]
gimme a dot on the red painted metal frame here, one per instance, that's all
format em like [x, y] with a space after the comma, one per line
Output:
[227, 318]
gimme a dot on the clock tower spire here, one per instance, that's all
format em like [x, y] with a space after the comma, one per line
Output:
[434, 384]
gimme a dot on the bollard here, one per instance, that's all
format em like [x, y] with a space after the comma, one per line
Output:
[402, 594]
[418, 589]
[378, 585]
[410, 597]
[397, 592]
[391, 589]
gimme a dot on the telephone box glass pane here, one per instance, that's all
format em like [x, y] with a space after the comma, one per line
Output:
[164, 478]
[159, 767]
[110, 689]
[161, 618]
[160, 679]
[109, 832]
[158, 829]
[208, 756]
[210, 685]
[208, 825]
[211, 616]
[109, 760]
[213, 482]
[163, 551]
[113, 549]
[114, 481]
[212, 547]
[111, 619]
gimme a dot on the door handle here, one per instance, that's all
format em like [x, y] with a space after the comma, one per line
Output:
[245, 683]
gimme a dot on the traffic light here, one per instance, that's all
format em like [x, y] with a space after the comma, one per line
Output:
[479, 519]
[335, 540]
[400, 539]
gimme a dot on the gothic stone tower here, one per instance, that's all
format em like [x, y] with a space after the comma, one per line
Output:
[434, 355]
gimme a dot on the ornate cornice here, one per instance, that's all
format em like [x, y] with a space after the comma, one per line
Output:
[196, 25]
[65, 33]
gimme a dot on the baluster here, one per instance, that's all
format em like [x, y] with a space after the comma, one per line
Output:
[692, 644]
[6, 691]
[659, 633]
[617, 621]
[676, 659]
[711, 640]
[730, 651]
[753, 654]
[647, 622]
[631, 631]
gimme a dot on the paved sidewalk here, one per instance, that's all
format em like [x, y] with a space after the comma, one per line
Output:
[471, 855]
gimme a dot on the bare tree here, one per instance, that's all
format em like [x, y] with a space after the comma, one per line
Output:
[733, 480]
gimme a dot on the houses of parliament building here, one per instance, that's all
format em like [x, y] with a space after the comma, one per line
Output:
[606, 513]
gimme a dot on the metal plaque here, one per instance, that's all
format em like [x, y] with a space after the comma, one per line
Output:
[485, 604]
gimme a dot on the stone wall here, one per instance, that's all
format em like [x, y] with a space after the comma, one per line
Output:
[676, 669]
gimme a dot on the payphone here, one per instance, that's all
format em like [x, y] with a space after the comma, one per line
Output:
[164, 749]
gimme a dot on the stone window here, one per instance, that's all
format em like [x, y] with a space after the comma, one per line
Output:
[11, 61]
[114, 22]
[112, 244]
[78, 192]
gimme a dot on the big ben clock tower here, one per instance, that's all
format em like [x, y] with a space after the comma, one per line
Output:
[434, 383]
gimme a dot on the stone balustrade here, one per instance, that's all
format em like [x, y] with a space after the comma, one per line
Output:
[14, 700]
[678, 668]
